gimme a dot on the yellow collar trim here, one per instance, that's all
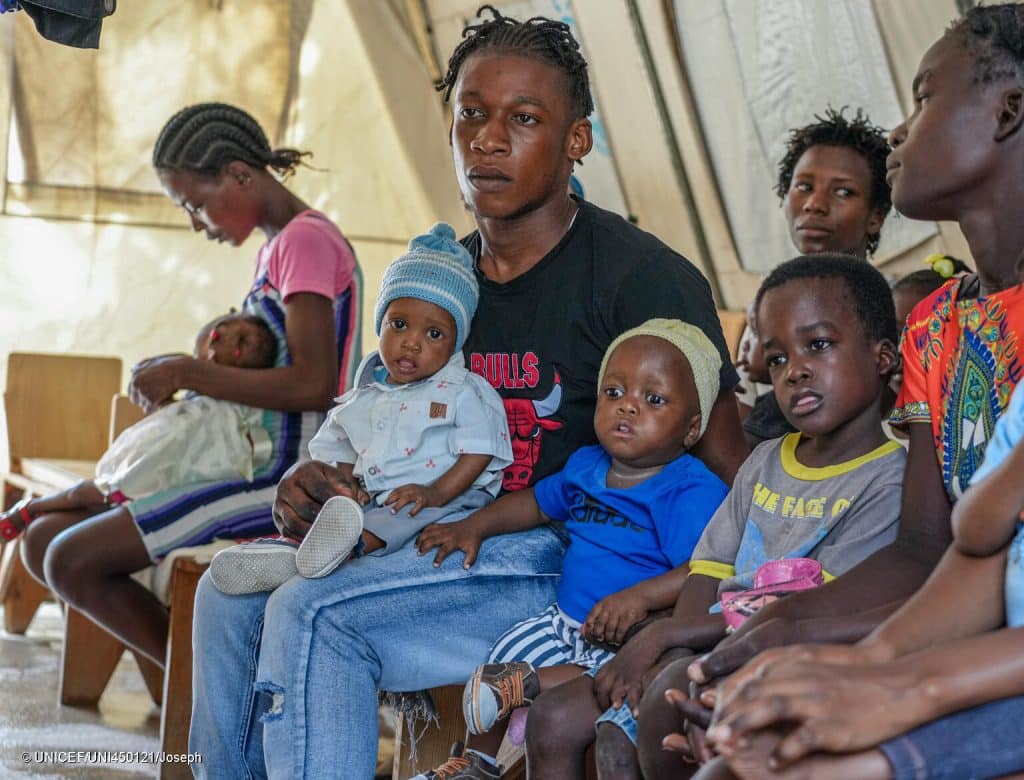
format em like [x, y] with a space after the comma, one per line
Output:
[798, 470]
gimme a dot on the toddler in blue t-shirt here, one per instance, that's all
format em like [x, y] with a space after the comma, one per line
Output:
[634, 508]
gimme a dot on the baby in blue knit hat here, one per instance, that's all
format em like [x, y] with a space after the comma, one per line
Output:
[425, 438]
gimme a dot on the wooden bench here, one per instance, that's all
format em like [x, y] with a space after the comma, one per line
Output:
[733, 325]
[60, 419]
[435, 740]
[57, 410]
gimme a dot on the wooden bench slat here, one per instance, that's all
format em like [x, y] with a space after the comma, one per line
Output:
[57, 473]
[28, 487]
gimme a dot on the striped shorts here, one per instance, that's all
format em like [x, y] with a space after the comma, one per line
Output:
[196, 514]
[551, 638]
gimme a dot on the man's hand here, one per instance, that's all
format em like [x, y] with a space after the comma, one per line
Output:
[823, 708]
[689, 740]
[449, 537]
[304, 489]
[740, 647]
[419, 496]
[780, 659]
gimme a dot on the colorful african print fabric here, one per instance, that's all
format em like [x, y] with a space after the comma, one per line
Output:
[961, 363]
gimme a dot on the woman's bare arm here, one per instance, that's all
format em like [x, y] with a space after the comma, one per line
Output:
[985, 518]
[308, 384]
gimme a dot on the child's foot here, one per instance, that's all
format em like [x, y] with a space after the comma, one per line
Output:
[14, 521]
[331, 538]
[468, 765]
[495, 690]
[254, 567]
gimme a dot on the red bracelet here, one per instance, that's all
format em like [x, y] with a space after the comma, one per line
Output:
[9, 531]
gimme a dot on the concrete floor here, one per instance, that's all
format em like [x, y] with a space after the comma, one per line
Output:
[32, 722]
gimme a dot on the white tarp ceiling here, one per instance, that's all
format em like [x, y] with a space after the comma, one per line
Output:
[80, 147]
[89, 134]
[759, 69]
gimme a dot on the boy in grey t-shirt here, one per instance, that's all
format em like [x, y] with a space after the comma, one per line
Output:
[830, 492]
[780, 508]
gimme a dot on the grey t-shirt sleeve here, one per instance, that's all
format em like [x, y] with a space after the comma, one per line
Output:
[715, 553]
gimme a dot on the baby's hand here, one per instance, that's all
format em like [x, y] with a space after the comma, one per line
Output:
[460, 535]
[154, 383]
[359, 493]
[612, 616]
[419, 496]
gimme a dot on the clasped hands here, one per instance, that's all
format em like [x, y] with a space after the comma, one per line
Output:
[813, 698]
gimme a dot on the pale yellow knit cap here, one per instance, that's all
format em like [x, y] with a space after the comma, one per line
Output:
[705, 361]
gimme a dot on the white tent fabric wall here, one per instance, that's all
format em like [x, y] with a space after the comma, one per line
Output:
[86, 120]
[100, 262]
[759, 69]
[365, 105]
[91, 270]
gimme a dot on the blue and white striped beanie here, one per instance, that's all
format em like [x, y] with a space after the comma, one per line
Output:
[436, 269]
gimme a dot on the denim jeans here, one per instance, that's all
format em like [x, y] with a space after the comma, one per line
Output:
[285, 684]
[973, 744]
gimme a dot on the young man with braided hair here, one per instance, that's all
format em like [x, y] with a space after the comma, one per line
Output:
[297, 674]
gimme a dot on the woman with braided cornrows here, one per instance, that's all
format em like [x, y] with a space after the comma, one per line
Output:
[215, 162]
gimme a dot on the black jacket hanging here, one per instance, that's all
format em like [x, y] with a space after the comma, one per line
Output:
[71, 22]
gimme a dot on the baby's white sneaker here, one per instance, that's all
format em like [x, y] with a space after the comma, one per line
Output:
[332, 537]
[254, 567]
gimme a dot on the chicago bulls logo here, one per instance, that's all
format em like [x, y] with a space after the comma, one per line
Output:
[527, 421]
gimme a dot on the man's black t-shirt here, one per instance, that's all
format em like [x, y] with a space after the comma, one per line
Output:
[539, 338]
[766, 420]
